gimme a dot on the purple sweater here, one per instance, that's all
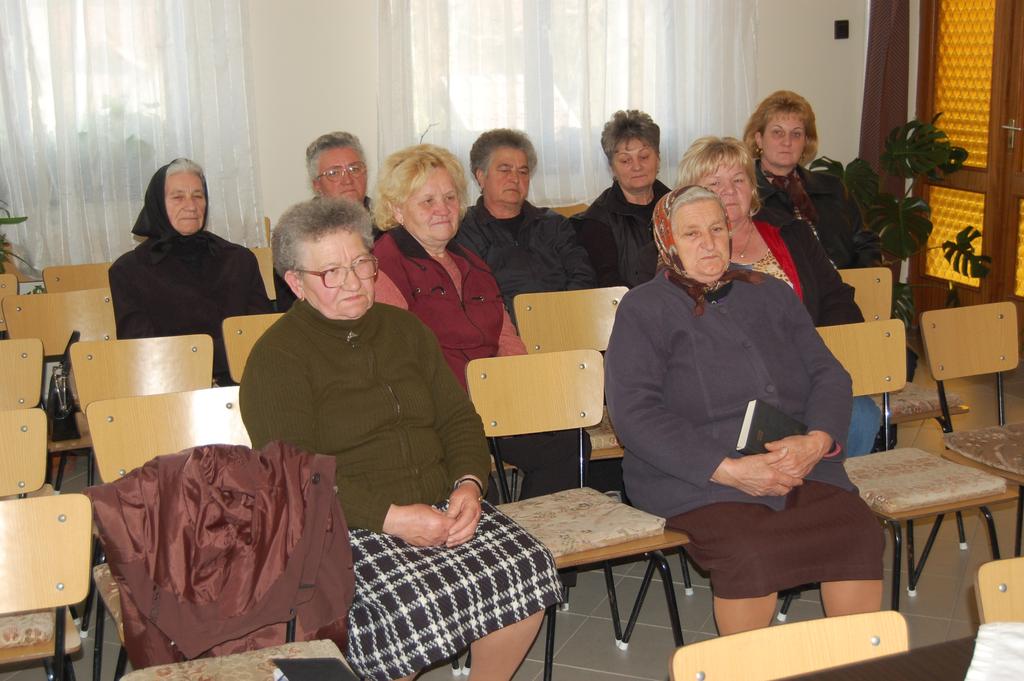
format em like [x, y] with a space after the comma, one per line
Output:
[677, 387]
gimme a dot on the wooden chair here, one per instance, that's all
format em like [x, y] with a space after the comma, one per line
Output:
[22, 453]
[791, 649]
[51, 317]
[570, 210]
[560, 391]
[976, 340]
[8, 287]
[567, 320]
[266, 260]
[129, 431]
[32, 577]
[999, 588]
[21, 365]
[872, 291]
[64, 278]
[903, 485]
[573, 320]
[141, 366]
[240, 334]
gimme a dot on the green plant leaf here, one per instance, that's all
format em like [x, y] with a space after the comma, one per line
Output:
[916, 148]
[860, 181]
[902, 223]
[903, 303]
[13, 220]
[962, 256]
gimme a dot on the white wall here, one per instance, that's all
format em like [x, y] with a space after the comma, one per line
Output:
[796, 51]
[314, 69]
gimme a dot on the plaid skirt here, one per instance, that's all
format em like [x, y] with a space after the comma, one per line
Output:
[415, 606]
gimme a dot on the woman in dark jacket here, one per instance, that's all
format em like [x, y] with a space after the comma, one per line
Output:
[689, 349]
[791, 253]
[782, 134]
[616, 228]
[183, 279]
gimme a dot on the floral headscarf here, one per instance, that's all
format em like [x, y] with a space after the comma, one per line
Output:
[669, 260]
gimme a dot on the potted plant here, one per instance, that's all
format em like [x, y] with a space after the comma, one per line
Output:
[915, 151]
[6, 250]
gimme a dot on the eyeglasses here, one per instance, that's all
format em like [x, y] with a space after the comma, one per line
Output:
[364, 267]
[336, 173]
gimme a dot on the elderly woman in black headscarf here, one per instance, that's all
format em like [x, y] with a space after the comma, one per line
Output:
[183, 279]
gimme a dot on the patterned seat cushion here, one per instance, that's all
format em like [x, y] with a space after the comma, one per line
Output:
[915, 399]
[257, 665]
[106, 587]
[26, 628]
[904, 479]
[581, 519]
[995, 446]
[602, 436]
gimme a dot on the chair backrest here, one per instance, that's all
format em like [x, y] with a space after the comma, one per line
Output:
[51, 317]
[873, 353]
[570, 210]
[104, 370]
[872, 291]
[972, 340]
[129, 431]
[266, 261]
[537, 393]
[8, 287]
[34, 532]
[64, 278]
[22, 451]
[567, 320]
[240, 334]
[790, 649]
[21, 369]
[999, 588]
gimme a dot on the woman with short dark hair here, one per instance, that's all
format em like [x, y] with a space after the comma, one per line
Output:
[616, 228]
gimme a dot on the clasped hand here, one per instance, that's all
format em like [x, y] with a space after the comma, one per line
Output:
[424, 525]
[777, 471]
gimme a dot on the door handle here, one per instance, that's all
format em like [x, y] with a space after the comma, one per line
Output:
[1012, 128]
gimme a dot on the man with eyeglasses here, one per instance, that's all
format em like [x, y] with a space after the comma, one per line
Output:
[528, 249]
[337, 170]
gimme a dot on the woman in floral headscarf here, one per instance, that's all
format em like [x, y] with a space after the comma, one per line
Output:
[689, 349]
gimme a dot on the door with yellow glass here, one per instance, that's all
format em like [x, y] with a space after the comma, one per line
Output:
[972, 70]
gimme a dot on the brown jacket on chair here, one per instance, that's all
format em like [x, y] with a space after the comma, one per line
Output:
[215, 548]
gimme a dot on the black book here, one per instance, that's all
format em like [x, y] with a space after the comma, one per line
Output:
[764, 423]
[315, 669]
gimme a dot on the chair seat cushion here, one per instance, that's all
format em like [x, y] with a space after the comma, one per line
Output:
[581, 519]
[106, 587]
[995, 446]
[602, 436]
[256, 665]
[904, 479]
[26, 628]
[916, 399]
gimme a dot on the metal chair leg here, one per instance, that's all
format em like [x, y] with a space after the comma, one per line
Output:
[787, 600]
[687, 584]
[549, 643]
[97, 644]
[897, 545]
[122, 661]
[993, 538]
[960, 530]
[655, 560]
[613, 601]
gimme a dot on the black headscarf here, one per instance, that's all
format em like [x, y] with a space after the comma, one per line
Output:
[154, 224]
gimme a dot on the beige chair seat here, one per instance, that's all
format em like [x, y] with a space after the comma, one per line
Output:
[581, 519]
[602, 436]
[256, 665]
[915, 402]
[900, 480]
[998, 447]
[32, 632]
[106, 587]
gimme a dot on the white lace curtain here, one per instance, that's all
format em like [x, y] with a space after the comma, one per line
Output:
[558, 69]
[95, 96]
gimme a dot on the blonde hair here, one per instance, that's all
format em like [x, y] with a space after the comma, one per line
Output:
[707, 154]
[781, 103]
[405, 171]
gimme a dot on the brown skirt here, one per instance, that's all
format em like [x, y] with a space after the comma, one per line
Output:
[824, 534]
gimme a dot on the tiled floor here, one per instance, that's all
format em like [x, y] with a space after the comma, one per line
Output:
[943, 608]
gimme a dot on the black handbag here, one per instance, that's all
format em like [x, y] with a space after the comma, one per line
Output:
[60, 403]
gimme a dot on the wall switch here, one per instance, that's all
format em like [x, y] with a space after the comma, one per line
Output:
[842, 29]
